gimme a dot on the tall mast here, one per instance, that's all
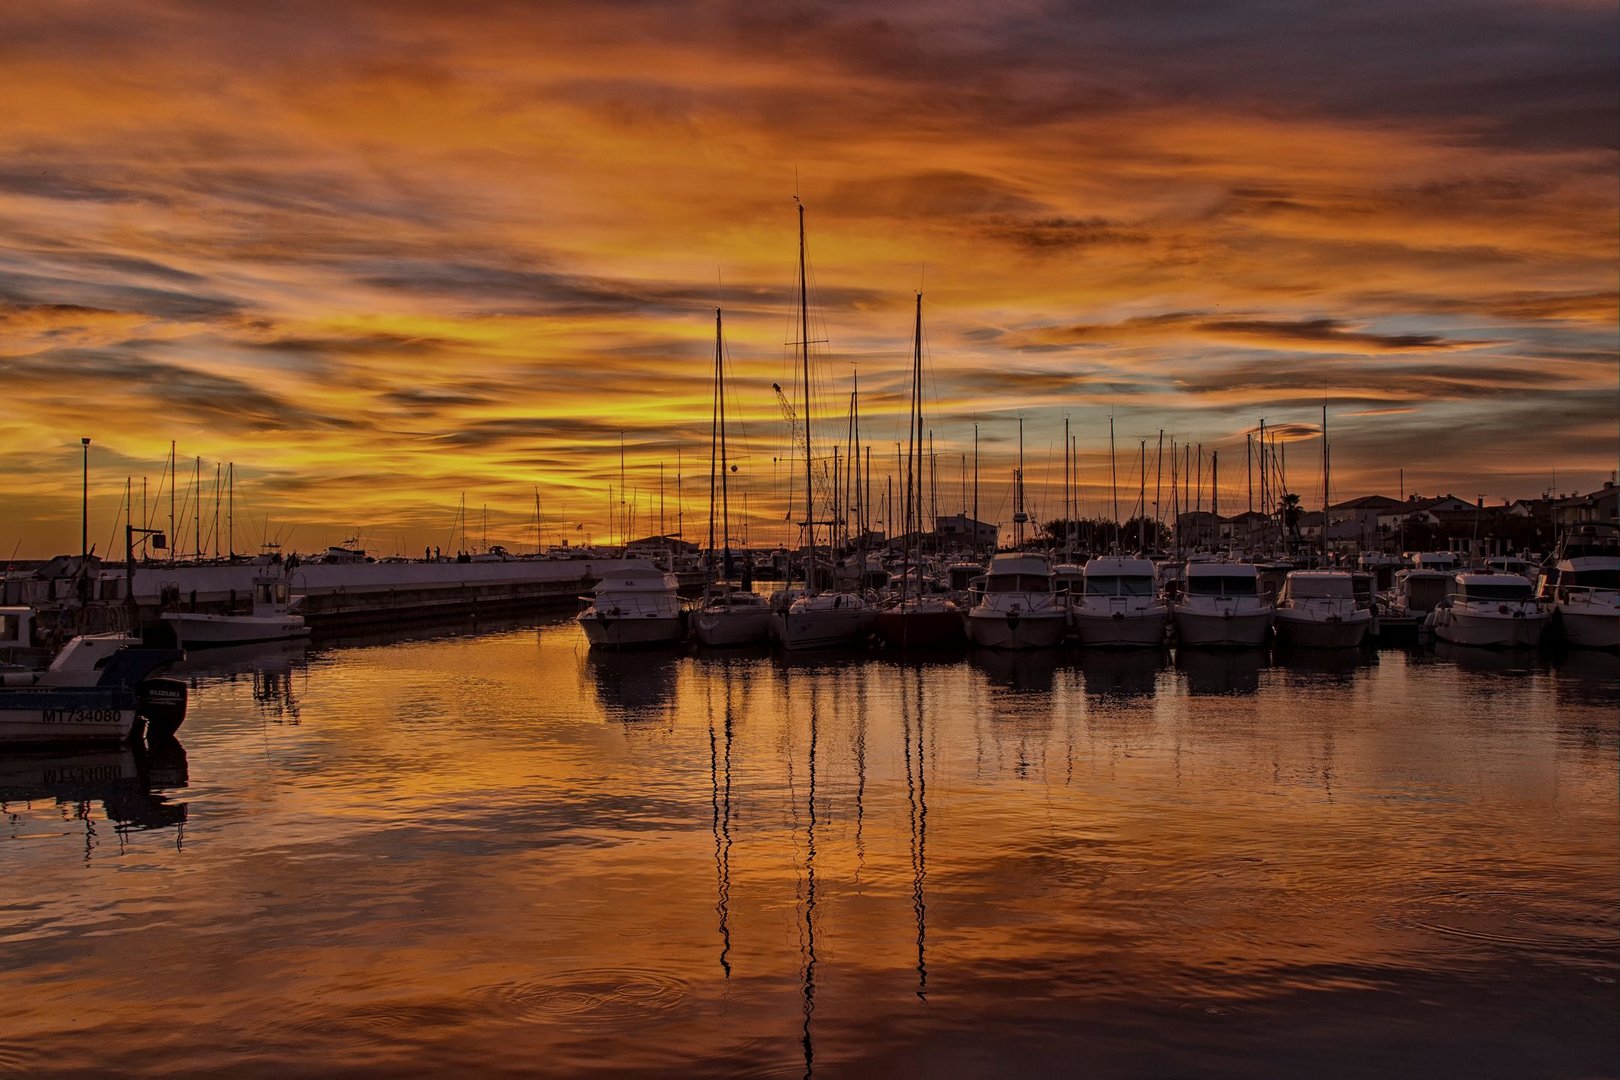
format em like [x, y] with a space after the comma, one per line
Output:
[714, 435]
[725, 469]
[172, 544]
[1158, 489]
[1068, 517]
[975, 525]
[1113, 481]
[1141, 501]
[196, 501]
[230, 512]
[1325, 493]
[804, 352]
[913, 448]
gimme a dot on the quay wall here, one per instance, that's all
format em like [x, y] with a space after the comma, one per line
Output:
[355, 594]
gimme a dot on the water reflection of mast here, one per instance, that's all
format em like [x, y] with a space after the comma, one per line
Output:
[917, 793]
[721, 803]
[810, 900]
[860, 775]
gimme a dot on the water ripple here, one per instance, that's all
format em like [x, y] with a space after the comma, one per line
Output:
[595, 995]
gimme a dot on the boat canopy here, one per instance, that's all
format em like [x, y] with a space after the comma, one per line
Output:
[1219, 584]
[1005, 583]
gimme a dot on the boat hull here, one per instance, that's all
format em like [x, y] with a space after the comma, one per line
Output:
[621, 632]
[1332, 632]
[902, 629]
[822, 628]
[1227, 629]
[1122, 629]
[1489, 631]
[48, 716]
[1016, 631]
[1589, 629]
[732, 627]
[200, 631]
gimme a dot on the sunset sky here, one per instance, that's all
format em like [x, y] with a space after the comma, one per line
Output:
[384, 256]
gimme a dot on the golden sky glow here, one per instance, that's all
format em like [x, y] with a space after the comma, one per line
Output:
[384, 255]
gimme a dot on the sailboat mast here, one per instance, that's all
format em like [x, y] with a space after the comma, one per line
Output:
[913, 438]
[172, 545]
[714, 435]
[725, 469]
[975, 487]
[1068, 516]
[1141, 501]
[804, 352]
[1325, 493]
[1158, 490]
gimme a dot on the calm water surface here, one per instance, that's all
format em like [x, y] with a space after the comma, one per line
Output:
[500, 854]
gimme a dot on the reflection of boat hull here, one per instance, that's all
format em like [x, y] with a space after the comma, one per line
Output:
[1335, 631]
[1016, 630]
[732, 626]
[1519, 630]
[1227, 628]
[1142, 629]
[1221, 671]
[1589, 629]
[200, 631]
[45, 715]
[612, 632]
[907, 628]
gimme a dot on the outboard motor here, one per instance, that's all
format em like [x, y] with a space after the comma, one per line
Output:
[162, 703]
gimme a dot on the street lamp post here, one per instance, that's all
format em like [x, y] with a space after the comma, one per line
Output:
[84, 504]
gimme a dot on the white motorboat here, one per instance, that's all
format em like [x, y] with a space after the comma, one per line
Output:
[1119, 605]
[731, 616]
[1016, 607]
[1497, 611]
[274, 617]
[1318, 609]
[1584, 587]
[635, 604]
[1221, 604]
[821, 620]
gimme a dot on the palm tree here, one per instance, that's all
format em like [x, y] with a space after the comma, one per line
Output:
[1289, 510]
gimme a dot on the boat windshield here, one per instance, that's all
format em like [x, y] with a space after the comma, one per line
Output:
[1317, 588]
[1119, 586]
[1607, 579]
[1496, 591]
[1035, 583]
[1223, 585]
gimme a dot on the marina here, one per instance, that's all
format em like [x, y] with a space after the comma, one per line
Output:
[493, 843]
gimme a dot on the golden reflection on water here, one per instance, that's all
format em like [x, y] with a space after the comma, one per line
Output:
[509, 853]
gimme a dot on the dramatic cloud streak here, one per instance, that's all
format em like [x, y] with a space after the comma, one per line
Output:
[382, 256]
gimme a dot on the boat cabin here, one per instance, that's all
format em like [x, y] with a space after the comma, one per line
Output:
[1318, 585]
[1221, 579]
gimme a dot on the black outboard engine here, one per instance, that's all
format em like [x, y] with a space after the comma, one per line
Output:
[162, 702]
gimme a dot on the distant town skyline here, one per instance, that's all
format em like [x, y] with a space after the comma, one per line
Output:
[387, 258]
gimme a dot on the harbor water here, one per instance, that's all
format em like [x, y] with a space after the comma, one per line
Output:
[497, 853]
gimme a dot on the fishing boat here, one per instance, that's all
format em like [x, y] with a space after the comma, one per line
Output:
[1583, 586]
[1016, 606]
[1318, 609]
[1498, 611]
[274, 617]
[1119, 605]
[814, 619]
[914, 619]
[634, 604]
[93, 691]
[1221, 605]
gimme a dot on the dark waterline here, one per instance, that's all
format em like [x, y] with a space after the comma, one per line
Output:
[500, 853]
